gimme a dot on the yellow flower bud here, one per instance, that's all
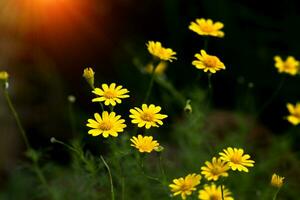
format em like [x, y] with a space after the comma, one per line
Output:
[89, 74]
[277, 181]
[4, 76]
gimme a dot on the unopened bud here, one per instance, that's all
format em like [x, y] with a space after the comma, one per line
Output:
[4, 76]
[89, 74]
[188, 107]
[159, 149]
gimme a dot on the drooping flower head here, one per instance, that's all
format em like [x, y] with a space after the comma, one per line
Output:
[107, 124]
[277, 181]
[88, 74]
[213, 170]
[289, 66]
[158, 51]
[148, 116]
[213, 192]
[111, 95]
[207, 27]
[294, 117]
[144, 143]
[236, 159]
[185, 186]
[208, 63]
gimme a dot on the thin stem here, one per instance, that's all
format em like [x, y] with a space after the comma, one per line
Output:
[72, 118]
[123, 187]
[275, 93]
[276, 193]
[162, 169]
[18, 121]
[110, 178]
[36, 166]
[205, 43]
[222, 192]
[141, 165]
[150, 84]
[210, 89]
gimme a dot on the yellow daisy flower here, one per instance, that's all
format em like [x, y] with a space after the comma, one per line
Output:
[144, 143]
[277, 181]
[236, 159]
[147, 116]
[294, 117]
[4, 76]
[185, 186]
[159, 70]
[289, 66]
[207, 27]
[108, 124]
[111, 95]
[208, 63]
[212, 192]
[213, 170]
[158, 51]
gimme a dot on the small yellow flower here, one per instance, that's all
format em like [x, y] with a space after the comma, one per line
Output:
[147, 116]
[89, 74]
[111, 95]
[4, 76]
[108, 124]
[185, 186]
[236, 159]
[213, 170]
[208, 62]
[277, 181]
[294, 117]
[144, 144]
[207, 27]
[212, 192]
[158, 51]
[289, 66]
[159, 70]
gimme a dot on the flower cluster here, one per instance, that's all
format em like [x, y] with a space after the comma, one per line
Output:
[230, 158]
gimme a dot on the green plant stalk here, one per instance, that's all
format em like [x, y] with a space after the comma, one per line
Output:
[18, 121]
[205, 46]
[275, 93]
[72, 118]
[150, 84]
[276, 193]
[210, 89]
[222, 192]
[141, 165]
[36, 166]
[110, 178]
[162, 169]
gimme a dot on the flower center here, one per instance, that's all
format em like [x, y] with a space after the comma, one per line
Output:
[146, 116]
[105, 126]
[185, 187]
[207, 28]
[109, 94]
[215, 170]
[210, 62]
[235, 159]
[214, 197]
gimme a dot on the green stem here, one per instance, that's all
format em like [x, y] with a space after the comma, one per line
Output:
[141, 165]
[205, 43]
[275, 93]
[210, 89]
[36, 166]
[276, 193]
[150, 84]
[110, 178]
[222, 192]
[162, 169]
[72, 118]
[18, 121]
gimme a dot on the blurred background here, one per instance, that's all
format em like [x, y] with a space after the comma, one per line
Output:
[46, 44]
